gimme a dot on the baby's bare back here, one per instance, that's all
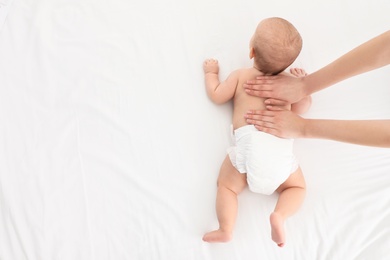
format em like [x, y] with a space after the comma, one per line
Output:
[244, 102]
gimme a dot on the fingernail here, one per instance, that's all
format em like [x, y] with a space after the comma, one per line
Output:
[249, 112]
[267, 101]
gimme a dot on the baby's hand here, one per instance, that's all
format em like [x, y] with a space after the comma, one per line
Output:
[210, 66]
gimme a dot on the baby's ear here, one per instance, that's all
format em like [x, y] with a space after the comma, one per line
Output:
[251, 53]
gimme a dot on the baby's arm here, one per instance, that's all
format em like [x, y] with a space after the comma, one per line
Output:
[219, 92]
[301, 106]
[304, 104]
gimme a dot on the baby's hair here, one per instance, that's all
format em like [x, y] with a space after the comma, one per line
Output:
[276, 43]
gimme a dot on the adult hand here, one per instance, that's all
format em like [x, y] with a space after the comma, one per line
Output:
[281, 123]
[277, 104]
[281, 87]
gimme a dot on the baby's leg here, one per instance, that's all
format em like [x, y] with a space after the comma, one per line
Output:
[291, 195]
[230, 184]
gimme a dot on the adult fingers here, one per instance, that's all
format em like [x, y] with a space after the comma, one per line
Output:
[275, 102]
[264, 80]
[257, 85]
[259, 93]
[269, 130]
[276, 108]
[260, 119]
[263, 121]
[260, 112]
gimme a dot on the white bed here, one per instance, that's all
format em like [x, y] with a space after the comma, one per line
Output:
[110, 148]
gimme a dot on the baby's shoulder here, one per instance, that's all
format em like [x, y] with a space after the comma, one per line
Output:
[242, 71]
[247, 73]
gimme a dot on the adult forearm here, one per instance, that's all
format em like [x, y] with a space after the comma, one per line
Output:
[362, 132]
[371, 55]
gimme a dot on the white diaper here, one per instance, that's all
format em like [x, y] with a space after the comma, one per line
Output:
[267, 160]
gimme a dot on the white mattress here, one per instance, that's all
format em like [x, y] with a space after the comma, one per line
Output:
[110, 148]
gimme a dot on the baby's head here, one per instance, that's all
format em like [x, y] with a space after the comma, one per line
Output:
[275, 45]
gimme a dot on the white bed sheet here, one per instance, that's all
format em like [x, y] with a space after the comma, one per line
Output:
[110, 148]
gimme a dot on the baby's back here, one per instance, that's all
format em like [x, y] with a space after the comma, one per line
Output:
[244, 102]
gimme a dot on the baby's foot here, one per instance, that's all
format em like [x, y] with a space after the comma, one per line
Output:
[217, 236]
[277, 227]
[299, 73]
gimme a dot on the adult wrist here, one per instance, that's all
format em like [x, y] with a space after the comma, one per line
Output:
[306, 86]
[305, 129]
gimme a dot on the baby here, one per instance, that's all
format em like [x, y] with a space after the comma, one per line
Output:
[263, 162]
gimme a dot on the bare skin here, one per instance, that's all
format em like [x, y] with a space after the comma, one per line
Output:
[232, 88]
[275, 33]
[291, 195]
[230, 181]
[370, 55]
[230, 184]
[286, 124]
